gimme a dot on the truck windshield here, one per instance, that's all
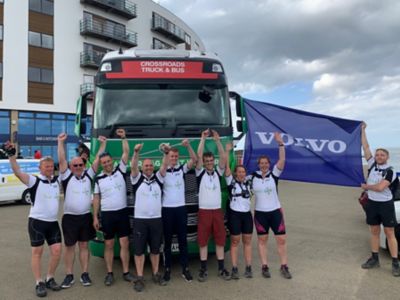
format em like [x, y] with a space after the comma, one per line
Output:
[161, 105]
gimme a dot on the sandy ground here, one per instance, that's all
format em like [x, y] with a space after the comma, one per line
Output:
[327, 242]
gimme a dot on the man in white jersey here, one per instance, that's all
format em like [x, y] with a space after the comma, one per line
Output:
[77, 221]
[210, 215]
[380, 206]
[174, 214]
[43, 225]
[110, 194]
[147, 226]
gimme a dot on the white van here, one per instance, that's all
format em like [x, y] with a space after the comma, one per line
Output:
[11, 189]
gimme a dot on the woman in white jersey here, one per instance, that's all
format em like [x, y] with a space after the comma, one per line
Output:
[240, 220]
[268, 212]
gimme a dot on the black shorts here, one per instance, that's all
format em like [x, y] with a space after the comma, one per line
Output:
[40, 231]
[271, 219]
[240, 222]
[77, 228]
[380, 213]
[147, 231]
[115, 223]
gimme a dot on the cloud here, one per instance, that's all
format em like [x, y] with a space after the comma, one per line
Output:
[348, 50]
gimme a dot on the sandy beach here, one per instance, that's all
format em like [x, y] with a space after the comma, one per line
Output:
[327, 242]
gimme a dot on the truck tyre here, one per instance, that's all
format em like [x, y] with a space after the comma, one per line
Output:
[26, 197]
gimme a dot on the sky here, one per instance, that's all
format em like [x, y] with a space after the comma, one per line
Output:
[340, 58]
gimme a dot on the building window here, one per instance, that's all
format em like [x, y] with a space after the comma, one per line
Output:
[40, 75]
[158, 44]
[4, 122]
[38, 39]
[42, 6]
[1, 32]
[1, 70]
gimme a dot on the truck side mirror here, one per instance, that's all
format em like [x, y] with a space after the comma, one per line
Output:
[81, 114]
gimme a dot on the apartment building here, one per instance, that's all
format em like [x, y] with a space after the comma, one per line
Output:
[50, 51]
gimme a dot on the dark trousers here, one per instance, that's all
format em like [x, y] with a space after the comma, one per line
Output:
[175, 222]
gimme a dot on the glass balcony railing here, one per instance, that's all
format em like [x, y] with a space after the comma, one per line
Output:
[87, 87]
[109, 31]
[124, 8]
[91, 58]
[167, 28]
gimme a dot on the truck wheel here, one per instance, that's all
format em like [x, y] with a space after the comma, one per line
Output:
[26, 197]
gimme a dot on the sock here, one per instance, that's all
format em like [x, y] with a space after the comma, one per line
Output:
[375, 255]
[395, 261]
[284, 266]
[111, 273]
[264, 267]
[37, 281]
[126, 273]
[48, 277]
[203, 264]
[221, 264]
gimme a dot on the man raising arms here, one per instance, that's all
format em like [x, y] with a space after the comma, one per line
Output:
[77, 222]
[110, 195]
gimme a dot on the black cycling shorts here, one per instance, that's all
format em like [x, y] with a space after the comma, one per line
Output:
[270, 219]
[115, 223]
[240, 222]
[40, 231]
[380, 213]
[77, 228]
[147, 231]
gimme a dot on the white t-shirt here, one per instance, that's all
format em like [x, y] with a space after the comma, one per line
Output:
[238, 203]
[147, 195]
[77, 192]
[209, 188]
[376, 176]
[265, 190]
[112, 189]
[174, 186]
[45, 195]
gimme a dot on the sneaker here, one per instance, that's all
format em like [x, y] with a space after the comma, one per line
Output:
[371, 263]
[203, 274]
[248, 273]
[85, 279]
[265, 271]
[128, 277]
[52, 285]
[235, 273]
[68, 281]
[224, 274]
[187, 275]
[396, 270]
[139, 284]
[158, 279]
[109, 279]
[167, 275]
[285, 272]
[41, 289]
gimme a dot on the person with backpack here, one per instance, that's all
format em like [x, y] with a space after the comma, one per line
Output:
[380, 206]
[268, 211]
[240, 219]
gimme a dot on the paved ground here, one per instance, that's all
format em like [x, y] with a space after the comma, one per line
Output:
[328, 241]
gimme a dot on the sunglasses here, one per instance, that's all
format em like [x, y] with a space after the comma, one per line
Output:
[77, 165]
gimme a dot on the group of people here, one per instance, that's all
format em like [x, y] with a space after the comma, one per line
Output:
[160, 210]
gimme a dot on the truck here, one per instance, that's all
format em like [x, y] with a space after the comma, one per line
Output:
[159, 97]
[11, 188]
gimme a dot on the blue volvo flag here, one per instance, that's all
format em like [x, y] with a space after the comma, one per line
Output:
[319, 148]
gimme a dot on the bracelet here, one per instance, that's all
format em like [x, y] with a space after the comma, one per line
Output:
[123, 138]
[281, 145]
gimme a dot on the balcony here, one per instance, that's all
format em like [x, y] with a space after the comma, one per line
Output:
[87, 87]
[91, 58]
[124, 8]
[168, 29]
[108, 31]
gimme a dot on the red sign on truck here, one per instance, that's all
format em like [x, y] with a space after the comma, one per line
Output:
[167, 69]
